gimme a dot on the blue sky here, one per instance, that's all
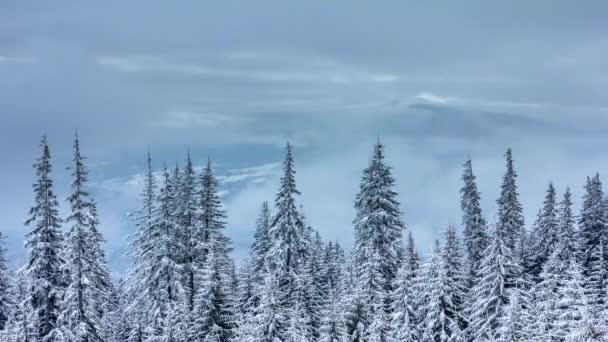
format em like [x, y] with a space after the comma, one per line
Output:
[235, 80]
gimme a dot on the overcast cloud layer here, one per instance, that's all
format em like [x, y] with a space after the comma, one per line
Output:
[234, 80]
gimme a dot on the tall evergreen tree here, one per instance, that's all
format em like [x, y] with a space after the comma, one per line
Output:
[80, 318]
[186, 216]
[475, 234]
[574, 320]
[593, 226]
[545, 234]
[100, 272]
[378, 238]
[440, 317]
[286, 256]
[44, 263]
[404, 319]
[490, 296]
[18, 328]
[214, 298]
[510, 225]
[455, 281]
[261, 243]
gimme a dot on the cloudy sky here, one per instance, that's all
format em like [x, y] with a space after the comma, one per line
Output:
[234, 80]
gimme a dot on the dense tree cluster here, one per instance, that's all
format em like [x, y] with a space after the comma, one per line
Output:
[498, 282]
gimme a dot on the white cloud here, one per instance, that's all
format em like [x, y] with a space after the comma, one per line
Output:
[302, 72]
[475, 102]
[255, 173]
[430, 97]
[193, 119]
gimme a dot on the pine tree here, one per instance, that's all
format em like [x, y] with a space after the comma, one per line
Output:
[100, 271]
[517, 322]
[378, 237]
[88, 282]
[545, 234]
[186, 216]
[286, 256]
[261, 243]
[475, 234]
[403, 301]
[44, 263]
[455, 280]
[6, 296]
[593, 231]
[574, 321]
[332, 327]
[269, 322]
[18, 328]
[490, 296]
[567, 233]
[214, 298]
[510, 224]
[440, 319]
[596, 280]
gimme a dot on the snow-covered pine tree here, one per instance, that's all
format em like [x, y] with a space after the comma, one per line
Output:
[44, 263]
[596, 280]
[332, 325]
[517, 322]
[593, 227]
[261, 243]
[440, 319]
[378, 240]
[475, 231]
[141, 248]
[545, 233]
[567, 233]
[315, 285]
[186, 216]
[404, 319]
[574, 320]
[6, 296]
[159, 257]
[269, 324]
[287, 238]
[546, 295]
[100, 270]
[455, 276]
[510, 225]
[88, 281]
[18, 328]
[215, 317]
[490, 296]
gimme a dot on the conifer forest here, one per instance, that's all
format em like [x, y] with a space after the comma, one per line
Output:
[499, 279]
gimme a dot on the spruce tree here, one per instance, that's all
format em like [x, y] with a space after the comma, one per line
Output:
[44, 263]
[440, 318]
[186, 216]
[475, 232]
[269, 324]
[378, 238]
[286, 258]
[18, 328]
[490, 296]
[574, 320]
[593, 226]
[455, 280]
[214, 299]
[261, 243]
[510, 225]
[88, 282]
[545, 234]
